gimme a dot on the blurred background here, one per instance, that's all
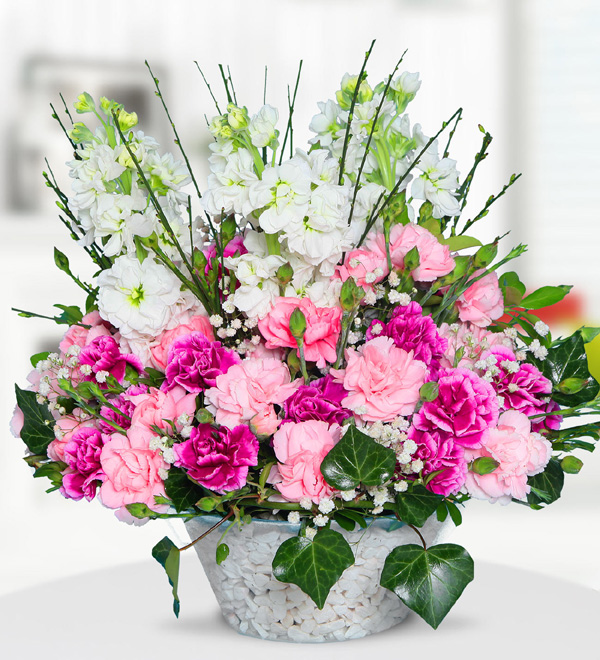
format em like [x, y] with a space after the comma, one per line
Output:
[527, 70]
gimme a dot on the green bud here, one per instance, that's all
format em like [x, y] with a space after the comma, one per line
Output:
[350, 295]
[220, 128]
[483, 465]
[485, 255]
[297, 324]
[293, 362]
[85, 103]
[127, 120]
[237, 117]
[80, 133]
[285, 274]
[228, 229]
[199, 261]
[572, 385]
[412, 260]
[345, 94]
[207, 503]
[139, 510]
[429, 391]
[425, 212]
[203, 416]
[461, 263]
[571, 464]
[222, 552]
[396, 212]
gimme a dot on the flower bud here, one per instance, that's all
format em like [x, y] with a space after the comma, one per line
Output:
[285, 273]
[203, 416]
[412, 259]
[237, 117]
[350, 295]
[571, 464]
[404, 89]
[483, 465]
[85, 103]
[297, 324]
[207, 503]
[80, 133]
[228, 229]
[572, 385]
[485, 255]
[127, 120]
[429, 391]
[345, 94]
[199, 261]
[396, 212]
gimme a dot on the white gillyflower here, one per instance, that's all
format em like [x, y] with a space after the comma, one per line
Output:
[325, 124]
[229, 185]
[262, 127]
[439, 178]
[137, 298]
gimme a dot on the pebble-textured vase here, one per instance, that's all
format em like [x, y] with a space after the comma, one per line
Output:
[254, 603]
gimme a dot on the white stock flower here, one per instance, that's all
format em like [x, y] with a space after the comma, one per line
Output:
[229, 184]
[92, 173]
[285, 191]
[325, 124]
[172, 173]
[262, 127]
[137, 298]
[434, 185]
[323, 168]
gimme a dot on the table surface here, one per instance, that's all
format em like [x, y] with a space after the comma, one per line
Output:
[124, 613]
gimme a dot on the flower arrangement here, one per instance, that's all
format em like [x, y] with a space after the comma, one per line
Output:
[326, 343]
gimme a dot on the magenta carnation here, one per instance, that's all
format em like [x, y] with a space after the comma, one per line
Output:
[235, 247]
[82, 455]
[526, 390]
[103, 354]
[121, 418]
[412, 331]
[440, 453]
[320, 401]
[465, 407]
[194, 362]
[218, 458]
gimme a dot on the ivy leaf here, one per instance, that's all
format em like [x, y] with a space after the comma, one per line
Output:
[167, 554]
[546, 487]
[358, 459]
[315, 566]
[38, 423]
[567, 359]
[416, 506]
[545, 296]
[430, 581]
[181, 490]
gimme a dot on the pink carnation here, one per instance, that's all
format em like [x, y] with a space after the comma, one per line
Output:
[68, 425]
[519, 453]
[249, 388]
[160, 351]
[434, 258]
[103, 354]
[465, 407]
[79, 336]
[218, 459]
[482, 302]
[359, 263]
[472, 340]
[83, 472]
[323, 325]
[382, 380]
[16, 423]
[300, 449]
[132, 471]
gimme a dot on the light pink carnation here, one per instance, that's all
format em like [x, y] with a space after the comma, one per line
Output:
[520, 454]
[16, 423]
[132, 471]
[248, 389]
[382, 380]
[300, 449]
[482, 302]
[67, 425]
[359, 263]
[472, 340]
[154, 407]
[434, 258]
[80, 336]
[323, 325]
[160, 351]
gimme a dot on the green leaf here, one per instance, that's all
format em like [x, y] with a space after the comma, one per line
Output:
[38, 357]
[222, 553]
[511, 279]
[181, 490]
[456, 243]
[546, 486]
[358, 459]
[546, 296]
[37, 432]
[454, 512]
[414, 507]
[141, 511]
[315, 566]
[589, 334]
[430, 581]
[567, 359]
[344, 522]
[167, 554]
[61, 261]
[71, 314]
[354, 515]
[53, 471]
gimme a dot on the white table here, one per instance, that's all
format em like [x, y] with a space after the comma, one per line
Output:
[124, 613]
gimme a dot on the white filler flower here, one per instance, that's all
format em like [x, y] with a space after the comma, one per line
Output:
[137, 298]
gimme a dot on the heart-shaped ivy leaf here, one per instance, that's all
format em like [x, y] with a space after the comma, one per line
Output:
[37, 432]
[414, 507]
[315, 566]
[428, 581]
[357, 459]
[167, 554]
